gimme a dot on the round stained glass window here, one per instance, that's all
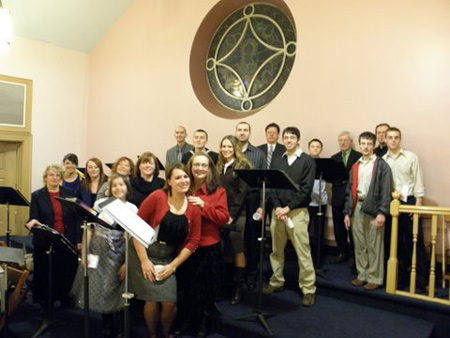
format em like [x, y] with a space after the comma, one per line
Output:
[250, 57]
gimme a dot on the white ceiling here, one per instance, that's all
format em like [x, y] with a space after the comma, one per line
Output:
[74, 24]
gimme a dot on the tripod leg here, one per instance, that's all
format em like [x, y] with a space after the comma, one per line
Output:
[263, 323]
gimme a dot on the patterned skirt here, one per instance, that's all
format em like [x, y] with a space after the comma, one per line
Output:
[105, 287]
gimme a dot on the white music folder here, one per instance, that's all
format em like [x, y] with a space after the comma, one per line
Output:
[129, 221]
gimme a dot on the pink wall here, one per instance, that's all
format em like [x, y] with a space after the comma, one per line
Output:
[359, 63]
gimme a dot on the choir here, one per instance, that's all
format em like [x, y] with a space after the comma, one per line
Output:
[201, 216]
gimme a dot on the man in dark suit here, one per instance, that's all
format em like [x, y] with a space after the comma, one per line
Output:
[272, 149]
[348, 156]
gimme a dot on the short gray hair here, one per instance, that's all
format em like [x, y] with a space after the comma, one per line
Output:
[54, 167]
[346, 133]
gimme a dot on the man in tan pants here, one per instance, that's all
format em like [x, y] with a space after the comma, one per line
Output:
[290, 218]
[367, 203]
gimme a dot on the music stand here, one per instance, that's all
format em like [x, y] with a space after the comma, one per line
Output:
[89, 215]
[8, 255]
[55, 239]
[263, 179]
[10, 196]
[327, 170]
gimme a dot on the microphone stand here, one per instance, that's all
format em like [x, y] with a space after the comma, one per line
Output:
[259, 315]
[320, 219]
[127, 295]
[85, 278]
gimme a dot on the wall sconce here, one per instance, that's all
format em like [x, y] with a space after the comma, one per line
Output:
[5, 27]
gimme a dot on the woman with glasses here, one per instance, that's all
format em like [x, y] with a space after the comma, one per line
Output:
[201, 279]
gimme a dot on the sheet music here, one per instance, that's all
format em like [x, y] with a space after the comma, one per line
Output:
[130, 221]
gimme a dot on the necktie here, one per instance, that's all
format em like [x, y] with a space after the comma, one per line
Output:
[269, 156]
[180, 155]
[345, 158]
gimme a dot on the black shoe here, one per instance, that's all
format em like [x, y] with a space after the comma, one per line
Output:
[251, 282]
[339, 258]
[237, 296]
[203, 332]
[351, 262]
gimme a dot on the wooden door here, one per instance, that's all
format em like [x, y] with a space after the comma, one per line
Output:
[9, 171]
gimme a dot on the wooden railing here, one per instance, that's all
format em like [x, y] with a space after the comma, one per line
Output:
[436, 214]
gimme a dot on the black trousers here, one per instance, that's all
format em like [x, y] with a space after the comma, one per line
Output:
[340, 232]
[252, 232]
[316, 230]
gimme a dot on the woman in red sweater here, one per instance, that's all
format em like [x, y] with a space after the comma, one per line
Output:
[202, 274]
[177, 223]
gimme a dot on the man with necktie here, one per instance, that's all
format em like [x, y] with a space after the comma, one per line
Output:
[175, 154]
[272, 149]
[348, 156]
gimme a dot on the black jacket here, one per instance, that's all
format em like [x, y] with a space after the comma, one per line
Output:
[236, 189]
[339, 187]
[41, 209]
[302, 172]
[277, 152]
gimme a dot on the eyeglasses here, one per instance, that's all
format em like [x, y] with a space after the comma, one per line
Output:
[200, 165]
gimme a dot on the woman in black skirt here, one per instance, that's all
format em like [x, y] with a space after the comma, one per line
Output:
[177, 223]
[202, 273]
[230, 159]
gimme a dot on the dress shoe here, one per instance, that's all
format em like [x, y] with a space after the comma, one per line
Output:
[339, 259]
[251, 282]
[371, 286]
[309, 299]
[269, 289]
[351, 262]
[357, 282]
[202, 332]
[237, 296]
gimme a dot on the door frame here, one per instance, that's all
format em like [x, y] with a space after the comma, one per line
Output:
[24, 163]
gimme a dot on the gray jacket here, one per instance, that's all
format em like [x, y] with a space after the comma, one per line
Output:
[378, 198]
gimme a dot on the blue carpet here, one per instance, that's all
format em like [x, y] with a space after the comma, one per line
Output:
[340, 311]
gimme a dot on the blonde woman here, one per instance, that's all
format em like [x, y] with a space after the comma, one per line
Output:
[230, 159]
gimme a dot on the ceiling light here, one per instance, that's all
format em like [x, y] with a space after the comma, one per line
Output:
[5, 27]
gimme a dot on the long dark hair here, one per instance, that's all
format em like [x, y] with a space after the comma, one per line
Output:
[169, 171]
[212, 178]
[86, 183]
[242, 161]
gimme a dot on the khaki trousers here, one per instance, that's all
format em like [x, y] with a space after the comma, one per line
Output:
[300, 240]
[369, 247]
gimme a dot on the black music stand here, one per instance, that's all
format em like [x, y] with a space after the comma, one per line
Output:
[89, 215]
[10, 196]
[54, 239]
[264, 179]
[329, 170]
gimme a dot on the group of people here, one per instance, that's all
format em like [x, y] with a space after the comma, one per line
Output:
[203, 214]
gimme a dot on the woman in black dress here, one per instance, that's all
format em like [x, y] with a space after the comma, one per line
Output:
[231, 158]
[152, 269]
[146, 180]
